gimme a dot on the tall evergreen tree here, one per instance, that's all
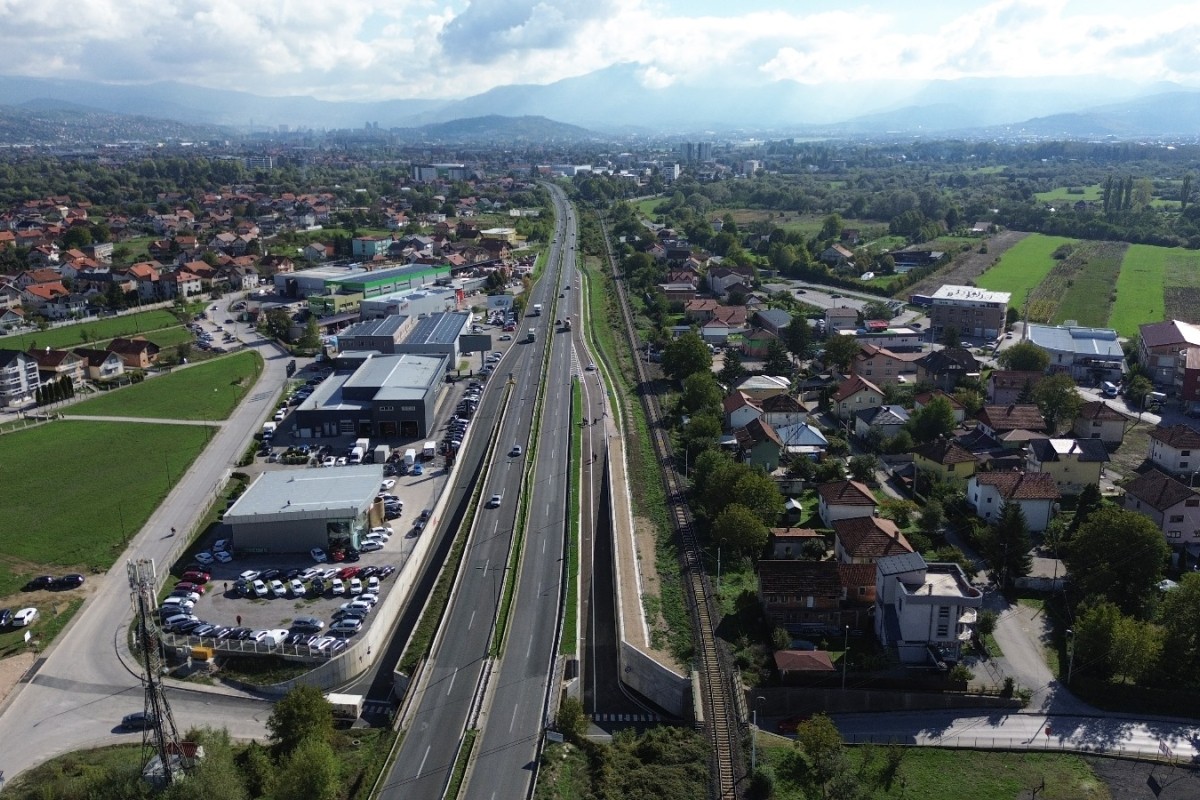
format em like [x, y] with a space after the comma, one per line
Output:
[1008, 545]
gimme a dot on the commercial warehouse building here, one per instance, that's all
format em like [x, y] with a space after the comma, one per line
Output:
[434, 334]
[974, 313]
[386, 395]
[415, 302]
[295, 510]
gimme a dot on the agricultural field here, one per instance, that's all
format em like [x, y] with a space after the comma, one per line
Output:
[1089, 290]
[80, 517]
[95, 330]
[1093, 193]
[1023, 267]
[206, 391]
[1141, 287]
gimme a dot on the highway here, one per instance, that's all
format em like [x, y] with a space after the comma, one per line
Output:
[452, 675]
[81, 689]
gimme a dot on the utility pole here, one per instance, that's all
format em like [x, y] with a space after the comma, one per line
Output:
[845, 655]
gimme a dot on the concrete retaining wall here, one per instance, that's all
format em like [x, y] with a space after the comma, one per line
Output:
[667, 688]
[788, 700]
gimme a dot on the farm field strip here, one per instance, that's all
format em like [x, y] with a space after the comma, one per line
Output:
[1089, 294]
[1023, 267]
[1140, 289]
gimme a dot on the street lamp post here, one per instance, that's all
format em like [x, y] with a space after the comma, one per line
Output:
[1071, 657]
[845, 655]
[720, 545]
[754, 735]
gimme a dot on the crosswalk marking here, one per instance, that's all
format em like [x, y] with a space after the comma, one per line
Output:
[624, 717]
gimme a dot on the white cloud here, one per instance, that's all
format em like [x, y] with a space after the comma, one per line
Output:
[378, 49]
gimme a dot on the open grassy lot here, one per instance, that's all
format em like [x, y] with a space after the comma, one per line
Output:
[1071, 194]
[74, 490]
[169, 337]
[1025, 265]
[1140, 288]
[933, 774]
[93, 330]
[206, 391]
[1087, 298]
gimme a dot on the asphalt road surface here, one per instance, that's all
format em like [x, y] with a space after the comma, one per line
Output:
[423, 764]
[82, 688]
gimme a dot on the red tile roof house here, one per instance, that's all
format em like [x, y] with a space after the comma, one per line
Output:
[865, 540]
[136, 353]
[739, 409]
[999, 420]
[854, 394]
[845, 500]
[1099, 420]
[793, 664]
[1035, 492]
[1170, 503]
[1005, 387]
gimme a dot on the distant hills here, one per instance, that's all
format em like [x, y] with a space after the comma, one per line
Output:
[615, 102]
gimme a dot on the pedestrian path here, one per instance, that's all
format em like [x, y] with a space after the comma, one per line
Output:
[148, 420]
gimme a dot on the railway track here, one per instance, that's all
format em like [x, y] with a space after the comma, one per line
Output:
[721, 717]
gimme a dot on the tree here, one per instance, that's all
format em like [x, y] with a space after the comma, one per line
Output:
[933, 516]
[970, 400]
[950, 336]
[215, 775]
[840, 351]
[877, 309]
[700, 394]
[935, 419]
[829, 770]
[829, 470]
[1058, 400]
[572, 721]
[1137, 389]
[898, 509]
[1025, 357]
[1179, 615]
[701, 433]
[311, 771]
[311, 340]
[742, 528]
[1089, 501]
[1136, 649]
[302, 713]
[797, 336]
[1007, 545]
[862, 468]
[686, 355]
[1117, 555]
[778, 360]
[713, 475]
[757, 491]
[732, 372]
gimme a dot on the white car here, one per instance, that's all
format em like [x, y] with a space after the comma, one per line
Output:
[369, 545]
[221, 544]
[355, 605]
[223, 556]
[318, 555]
[260, 589]
[204, 557]
[297, 587]
[329, 573]
[329, 461]
[494, 501]
[322, 643]
[249, 575]
[346, 627]
[193, 597]
[372, 585]
[273, 637]
[278, 589]
[310, 573]
[355, 586]
[387, 483]
[391, 498]
[26, 616]
[341, 461]
[383, 530]
[369, 598]
[591, 367]
[181, 603]
[337, 587]
[506, 337]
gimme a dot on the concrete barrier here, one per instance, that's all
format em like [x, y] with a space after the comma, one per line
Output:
[667, 688]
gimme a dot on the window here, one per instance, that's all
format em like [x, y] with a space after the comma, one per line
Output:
[1193, 503]
[943, 622]
[1183, 465]
[1173, 535]
[1185, 452]
[950, 467]
[1176, 518]
[989, 500]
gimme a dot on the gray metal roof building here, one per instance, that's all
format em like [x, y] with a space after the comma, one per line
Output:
[437, 334]
[295, 510]
[1080, 351]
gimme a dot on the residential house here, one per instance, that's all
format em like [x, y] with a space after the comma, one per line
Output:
[793, 542]
[68, 306]
[945, 460]
[1098, 420]
[1035, 492]
[772, 319]
[757, 343]
[1007, 386]
[924, 612]
[53, 364]
[971, 311]
[1074, 463]
[845, 500]
[836, 255]
[859, 542]
[146, 275]
[678, 292]
[179, 283]
[858, 583]
[1170, 503]
[10, 296]
[19, 378]
[739, 410]
[38, 295]
[759, 445]
[886, 420]
[721, 279]
[1175, 449]
[841, 318]
[783, 409]
[854, 394]
[315, 251]
[997, 421]
[101, 365]
[277, 265]
[136, 352]
[923, 399]
[760, 388]
[800, 595]
[801, 440]
[946, 368]
[1089, 355]
[12, 318]
[885, 367]
[795, 665]
[1163, 346]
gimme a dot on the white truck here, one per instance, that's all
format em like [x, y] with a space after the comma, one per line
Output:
[382, 453]
[410, 456]
[537, 309]
[346, 707]
[365, 444]
[268, 430]
[356, 455]
[429, 451]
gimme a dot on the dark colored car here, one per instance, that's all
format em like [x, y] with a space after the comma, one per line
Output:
[269, 575]
[137, 721]
[5, 617]
[72, 581]
[40, 582]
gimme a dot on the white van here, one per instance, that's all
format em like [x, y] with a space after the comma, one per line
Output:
[1109, 389]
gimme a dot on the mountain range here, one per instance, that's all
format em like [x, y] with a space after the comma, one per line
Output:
[615, 102]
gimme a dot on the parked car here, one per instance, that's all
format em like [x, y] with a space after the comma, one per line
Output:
[310, 573]
[278, 589]
[196, 576]
[221, 544]
[383, 530]
[297, 587]
[355, 586]
[318, 555]
[370, 545]
[204, 557]
[337, 587]
[186, 595]
[6, 617]
[260, 589]
[307, 624]
[373, 585]
[40, 582]
[347, 626]
[137, 721]
[223, 556]
[249, 575]
[70, 581]
[186, 586]
[387, 483]
[24, 617]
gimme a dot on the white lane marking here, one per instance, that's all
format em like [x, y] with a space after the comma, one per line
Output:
[514, 718]
[421, 768]
[453, 675]
[543, 547]
[472, 622]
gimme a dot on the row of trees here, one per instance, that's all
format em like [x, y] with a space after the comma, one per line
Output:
[55, 391]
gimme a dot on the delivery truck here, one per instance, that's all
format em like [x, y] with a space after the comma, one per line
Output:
[429, 451]
[537, 309]
[268, 431]
[346, 707]
[410, 457]
[382, 453]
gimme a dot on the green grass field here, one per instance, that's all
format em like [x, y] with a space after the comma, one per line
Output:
[169, 337]
[207, 391]
[1140, 288]
[1064, 194]
[93, 331]
[75, 490]
[1023, 267]
[1086, 299]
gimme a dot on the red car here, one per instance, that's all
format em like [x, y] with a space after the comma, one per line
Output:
[788, 725]
[346, 573]
[187, 586]
[196, 576]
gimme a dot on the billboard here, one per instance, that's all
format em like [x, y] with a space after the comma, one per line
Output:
[499, 302]
[475, 343]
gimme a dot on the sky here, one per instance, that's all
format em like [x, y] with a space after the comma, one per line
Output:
[395, 49]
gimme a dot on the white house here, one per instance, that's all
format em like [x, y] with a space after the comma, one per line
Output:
[739, 410]
[1035, 492]
[924, 611]
[1099, 420]
[844, 500]
[1175, 449]
[854, 394]
[783, 409]
[1171, 503]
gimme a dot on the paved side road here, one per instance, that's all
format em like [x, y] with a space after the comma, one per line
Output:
[81, 688]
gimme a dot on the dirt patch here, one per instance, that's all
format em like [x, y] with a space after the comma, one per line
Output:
[1138, 780]
[1182, 303]
[644, 543]
[964, 268]
[11, 670]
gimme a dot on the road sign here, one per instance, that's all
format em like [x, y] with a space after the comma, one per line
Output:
[554, 736]
[1165, 749]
